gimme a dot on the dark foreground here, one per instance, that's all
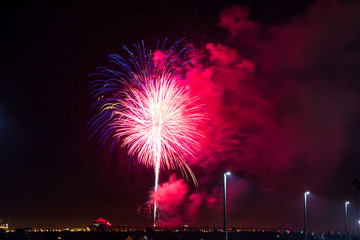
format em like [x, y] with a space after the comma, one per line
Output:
[152, 235]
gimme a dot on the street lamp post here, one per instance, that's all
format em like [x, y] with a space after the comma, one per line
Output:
[346, 204]
[305, 232]
[225, 230]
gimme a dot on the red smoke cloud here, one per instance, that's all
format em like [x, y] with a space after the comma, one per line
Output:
[280, 99]
[170, 196]
[195, 201]
[236, 21]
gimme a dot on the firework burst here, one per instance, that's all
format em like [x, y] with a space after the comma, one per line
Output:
[147, 107]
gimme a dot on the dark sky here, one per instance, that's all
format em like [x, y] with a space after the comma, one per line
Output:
[285, 111]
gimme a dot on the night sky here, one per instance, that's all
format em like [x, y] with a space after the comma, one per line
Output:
[279, 80]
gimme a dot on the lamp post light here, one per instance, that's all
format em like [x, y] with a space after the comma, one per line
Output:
[346, 207]
[305, 213]
[225, 230]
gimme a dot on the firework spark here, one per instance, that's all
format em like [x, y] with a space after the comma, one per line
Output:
[147, 108]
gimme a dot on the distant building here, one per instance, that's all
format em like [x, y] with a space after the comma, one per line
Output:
[101, 223]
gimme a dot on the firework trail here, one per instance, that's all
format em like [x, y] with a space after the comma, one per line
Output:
[147, 108]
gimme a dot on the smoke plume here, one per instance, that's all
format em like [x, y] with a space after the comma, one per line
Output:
[280, 99]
